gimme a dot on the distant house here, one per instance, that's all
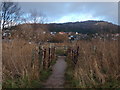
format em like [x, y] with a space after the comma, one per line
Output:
[76, 33]
[44, 32]
[61, 32]
[72, 37]
[52, 33]
[6, 34]
[117, 35]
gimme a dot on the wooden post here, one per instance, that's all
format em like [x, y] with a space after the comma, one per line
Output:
[78, 51]
[40, 59]
[49, 53]
[72, 54]
[54, 51]
[52, 54]
[44, 58]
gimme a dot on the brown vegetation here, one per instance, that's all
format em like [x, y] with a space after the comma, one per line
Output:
[97, 64]
[20, 60]
[30, 33]
[58, 38]
[23, 63]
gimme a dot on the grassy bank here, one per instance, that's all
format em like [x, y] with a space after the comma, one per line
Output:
[70, 81]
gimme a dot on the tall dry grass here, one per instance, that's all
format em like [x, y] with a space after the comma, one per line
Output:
[98, 64]
[20, 62]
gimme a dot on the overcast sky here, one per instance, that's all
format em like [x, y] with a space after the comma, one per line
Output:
[60, 12]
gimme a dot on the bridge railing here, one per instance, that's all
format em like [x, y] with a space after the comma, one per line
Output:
[73, 54]
[46, 56]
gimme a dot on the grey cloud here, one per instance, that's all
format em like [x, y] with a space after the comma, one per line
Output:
[57, 10]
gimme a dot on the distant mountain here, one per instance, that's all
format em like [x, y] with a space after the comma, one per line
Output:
[85, 27]
[81, 27]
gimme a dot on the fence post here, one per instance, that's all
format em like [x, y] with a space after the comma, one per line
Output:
[54, 50]
[49, 54]
[77, 51]
[32, 61]
[40, 52]
[44, 59]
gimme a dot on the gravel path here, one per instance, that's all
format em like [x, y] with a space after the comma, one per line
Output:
[57, 79]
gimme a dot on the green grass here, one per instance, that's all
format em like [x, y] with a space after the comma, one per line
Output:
[60, 52]
[70, 82]
[109, 84]
[26, 83]
[21, 83]
[45, 74]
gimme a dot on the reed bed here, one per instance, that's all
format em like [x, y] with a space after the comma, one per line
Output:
[98, 63]
[20, 62]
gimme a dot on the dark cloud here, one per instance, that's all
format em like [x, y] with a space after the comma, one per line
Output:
[57, 10]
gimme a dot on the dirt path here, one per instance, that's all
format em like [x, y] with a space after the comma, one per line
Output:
[56, 80]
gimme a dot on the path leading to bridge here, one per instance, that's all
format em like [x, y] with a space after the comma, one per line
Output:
[57, 78]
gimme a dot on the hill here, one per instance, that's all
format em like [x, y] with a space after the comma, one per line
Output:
[85, 27]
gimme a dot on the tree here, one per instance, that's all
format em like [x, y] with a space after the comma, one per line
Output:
[0, 16]
[32, 27]
[9, 14]
[37, 17]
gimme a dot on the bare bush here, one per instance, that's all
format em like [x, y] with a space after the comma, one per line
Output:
[28, 33]
[58, 38]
